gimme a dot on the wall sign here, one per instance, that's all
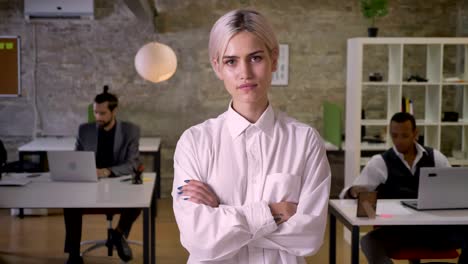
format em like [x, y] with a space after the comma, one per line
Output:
[280, 77]
[10, 71]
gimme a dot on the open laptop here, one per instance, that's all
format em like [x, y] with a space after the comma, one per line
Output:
[72, 166]
[441, 188]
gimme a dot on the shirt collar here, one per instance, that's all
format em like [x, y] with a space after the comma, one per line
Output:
[419, 151]
[238, 124]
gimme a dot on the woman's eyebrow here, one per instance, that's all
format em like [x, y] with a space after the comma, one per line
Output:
[256, 52]
[230, 57]
[250, 54]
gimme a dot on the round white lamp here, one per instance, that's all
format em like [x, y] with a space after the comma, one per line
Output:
[155, 62]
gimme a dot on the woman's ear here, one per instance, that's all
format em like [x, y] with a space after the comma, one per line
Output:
[216, 68]
[274, 59]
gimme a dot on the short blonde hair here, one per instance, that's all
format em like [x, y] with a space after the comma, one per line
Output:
[237, 21]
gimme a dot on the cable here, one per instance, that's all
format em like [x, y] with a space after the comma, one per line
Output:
[37, 130]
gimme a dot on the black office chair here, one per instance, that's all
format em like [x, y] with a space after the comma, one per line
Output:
[15, 166]
[3, 158]
[415, 255]
[95, 244]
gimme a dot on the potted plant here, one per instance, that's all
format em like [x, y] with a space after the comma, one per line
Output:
[373, 9]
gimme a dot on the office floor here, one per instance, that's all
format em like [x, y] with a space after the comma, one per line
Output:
[39, 240]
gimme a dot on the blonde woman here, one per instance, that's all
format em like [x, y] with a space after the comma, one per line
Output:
[252, 185]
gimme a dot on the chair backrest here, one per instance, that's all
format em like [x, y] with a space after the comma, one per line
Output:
[332, 123]
[91, 117]
[3, 154]
[3, 158]
[424, 253]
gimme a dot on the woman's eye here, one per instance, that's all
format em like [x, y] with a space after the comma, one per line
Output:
[256, 58]
[229, 62]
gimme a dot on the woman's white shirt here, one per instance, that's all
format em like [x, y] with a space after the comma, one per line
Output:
[250, 166]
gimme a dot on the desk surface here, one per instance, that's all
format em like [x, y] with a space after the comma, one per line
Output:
[392, 212]
[43, 193]
[147, 144]
[330, 147]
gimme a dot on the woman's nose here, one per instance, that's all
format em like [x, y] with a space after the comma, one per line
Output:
[245, 70]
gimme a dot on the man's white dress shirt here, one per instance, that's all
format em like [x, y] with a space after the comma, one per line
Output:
[376, 173]
[249, 166]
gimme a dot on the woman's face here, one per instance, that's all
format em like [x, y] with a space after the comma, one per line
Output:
[246, 69]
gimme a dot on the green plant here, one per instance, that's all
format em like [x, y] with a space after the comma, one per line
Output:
[372, 9]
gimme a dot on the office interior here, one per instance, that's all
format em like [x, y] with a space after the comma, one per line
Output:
[64, 62]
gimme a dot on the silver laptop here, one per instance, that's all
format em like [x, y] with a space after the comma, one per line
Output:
[441, 188]
[72, 166]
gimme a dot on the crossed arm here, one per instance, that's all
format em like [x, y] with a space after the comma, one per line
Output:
[201, 193]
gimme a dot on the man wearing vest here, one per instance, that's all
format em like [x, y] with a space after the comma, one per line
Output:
[394, 174]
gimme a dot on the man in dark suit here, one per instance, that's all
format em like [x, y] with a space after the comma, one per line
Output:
[115, 145]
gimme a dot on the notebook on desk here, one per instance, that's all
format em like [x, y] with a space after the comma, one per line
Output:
[441, 188]
[72, 166]
[10, 181]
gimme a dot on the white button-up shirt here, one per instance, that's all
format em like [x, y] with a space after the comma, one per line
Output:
[376, 172]
[250, 166]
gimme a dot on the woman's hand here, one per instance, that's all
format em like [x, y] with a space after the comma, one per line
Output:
[199, 193]
[282, 211]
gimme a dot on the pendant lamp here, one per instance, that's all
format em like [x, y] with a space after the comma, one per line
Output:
[155, 62]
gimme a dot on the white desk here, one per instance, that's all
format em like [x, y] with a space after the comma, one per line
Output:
[147, 144]
[39, 146]
[49, 144]
[107, 193]
[389, 212]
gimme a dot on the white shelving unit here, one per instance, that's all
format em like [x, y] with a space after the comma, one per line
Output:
[396, 59]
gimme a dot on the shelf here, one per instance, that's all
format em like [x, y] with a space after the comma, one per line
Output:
[419, 122]
[410, 41]
[374, 122]
[459, 123]
[458, 162]
[419, 83]
[432, 58]
[373, 146]
[454, 83]
[412, 83]
[380, 84]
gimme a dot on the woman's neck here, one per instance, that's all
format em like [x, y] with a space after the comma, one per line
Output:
[251, 112]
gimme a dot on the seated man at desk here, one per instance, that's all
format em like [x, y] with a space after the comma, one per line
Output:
[395, 175]
[115, 144]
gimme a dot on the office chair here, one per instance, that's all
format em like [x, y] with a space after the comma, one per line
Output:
[15, 166]
[95, 244]
[3, 158]
[414, 255]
